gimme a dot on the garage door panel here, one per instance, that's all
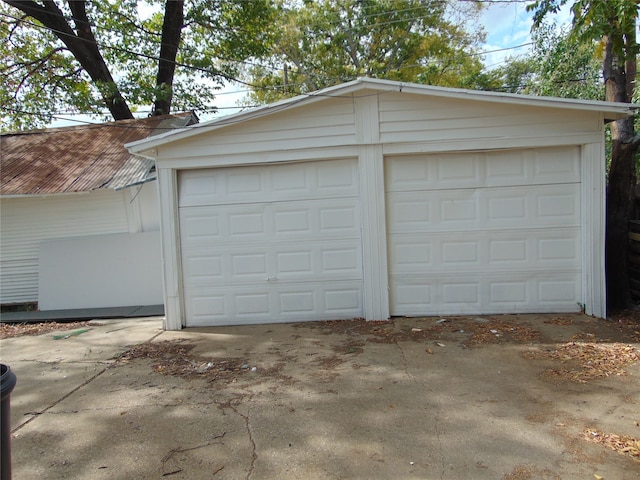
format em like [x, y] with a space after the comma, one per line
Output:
[265, 223]
[271, 243]
[273, 303]
[293, 262]
[272, 183]
[484, 232]
[482, 209]
[533, 167]
[478, 292]
[484, 250]
[483, 169]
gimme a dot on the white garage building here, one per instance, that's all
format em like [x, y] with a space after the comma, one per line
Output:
[376, 198]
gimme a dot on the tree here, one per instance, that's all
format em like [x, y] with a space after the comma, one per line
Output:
[88, 56]
[559, 65]
[613, 24]
[325, 42]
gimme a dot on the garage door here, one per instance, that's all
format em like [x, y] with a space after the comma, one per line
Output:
[484, 232]
[271, 243]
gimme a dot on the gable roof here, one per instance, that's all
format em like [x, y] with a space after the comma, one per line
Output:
[610, 110]
[79, 158]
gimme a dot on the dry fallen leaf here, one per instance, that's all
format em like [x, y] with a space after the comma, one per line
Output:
[622, 444]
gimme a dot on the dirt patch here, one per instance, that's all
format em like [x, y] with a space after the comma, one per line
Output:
[11, 330]
[524, 472]
[500, 331]
[473, 331]
[350, 347]
[174, 357]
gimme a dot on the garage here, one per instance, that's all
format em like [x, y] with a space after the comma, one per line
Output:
[486, 231]
[293, 254]
[377, 198]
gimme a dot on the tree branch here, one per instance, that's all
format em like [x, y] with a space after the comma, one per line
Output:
[83, 46]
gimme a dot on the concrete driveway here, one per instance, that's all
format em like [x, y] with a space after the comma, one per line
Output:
[502, 397]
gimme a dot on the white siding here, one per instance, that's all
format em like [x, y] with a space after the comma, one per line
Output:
[25, 222]
[331, 122]
[427, 119]
[147, 197]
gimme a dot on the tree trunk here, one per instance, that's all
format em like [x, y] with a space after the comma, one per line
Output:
[171, 31]
[82, 45]
[621, 180]
[619, 200]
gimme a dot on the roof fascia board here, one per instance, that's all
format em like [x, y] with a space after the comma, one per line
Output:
[620, 110]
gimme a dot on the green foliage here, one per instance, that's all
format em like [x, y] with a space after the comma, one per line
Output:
[595, 20]
[559, 65]
[326, 42]
[41, 76]
[37, 73]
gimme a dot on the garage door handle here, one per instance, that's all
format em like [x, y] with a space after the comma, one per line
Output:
[272, 279]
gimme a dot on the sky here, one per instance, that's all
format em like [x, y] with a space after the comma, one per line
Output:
[507, 25]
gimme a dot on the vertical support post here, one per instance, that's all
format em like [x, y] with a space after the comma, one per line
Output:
[170, 237]
[592, 162]
[372, 205]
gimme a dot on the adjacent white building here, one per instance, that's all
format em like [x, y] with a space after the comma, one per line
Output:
[79, 218]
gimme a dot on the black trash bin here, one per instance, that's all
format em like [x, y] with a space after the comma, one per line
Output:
[7, 382]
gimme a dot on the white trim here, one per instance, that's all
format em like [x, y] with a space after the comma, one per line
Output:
[477, 144]
[259, 158]
[374, 233]
[372, 206]
[170, 239]
[593, 229]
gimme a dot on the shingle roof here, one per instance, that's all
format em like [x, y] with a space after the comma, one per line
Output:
[79, 158]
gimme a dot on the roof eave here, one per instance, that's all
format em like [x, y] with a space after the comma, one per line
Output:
[612, 111]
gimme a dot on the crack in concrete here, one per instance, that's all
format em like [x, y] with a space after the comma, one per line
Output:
[254, 453]
[109, 364]
[233, 404]
[45, 410]
[122, 410]
[436, 425]
[406, 363]
[173, 451]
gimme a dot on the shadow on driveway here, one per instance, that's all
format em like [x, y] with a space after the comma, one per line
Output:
[496, 397]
